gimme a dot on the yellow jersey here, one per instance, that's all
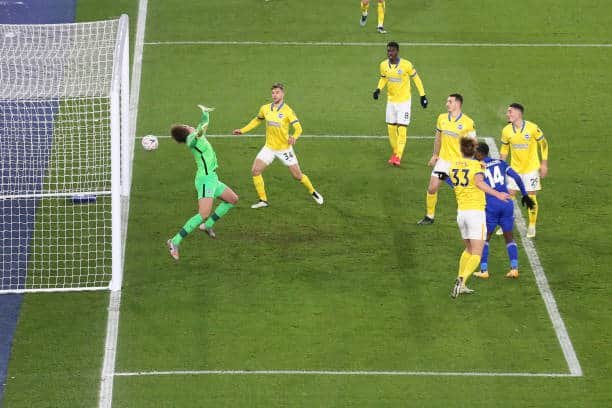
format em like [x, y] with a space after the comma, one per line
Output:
[523, 144]
[462, 173]
[277, 120]
[397, 78]
[451, 131]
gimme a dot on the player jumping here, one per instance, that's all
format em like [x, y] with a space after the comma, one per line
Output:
[207, 183]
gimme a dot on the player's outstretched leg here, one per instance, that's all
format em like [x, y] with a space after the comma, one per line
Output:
[174, 251]
[204, 207]
[230, 199]
[297, 174]
[190, 225]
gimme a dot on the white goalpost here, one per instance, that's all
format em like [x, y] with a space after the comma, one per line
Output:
[65, 155]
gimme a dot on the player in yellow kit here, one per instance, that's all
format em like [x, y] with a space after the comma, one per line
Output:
[467, 176]
[450, 128]
[279, 144]
[521, 139]
[365, 5]
[395, 74]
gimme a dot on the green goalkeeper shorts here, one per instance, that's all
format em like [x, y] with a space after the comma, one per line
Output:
[209, 186]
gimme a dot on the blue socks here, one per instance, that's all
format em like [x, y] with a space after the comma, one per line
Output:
[485, 257]
[512, 254]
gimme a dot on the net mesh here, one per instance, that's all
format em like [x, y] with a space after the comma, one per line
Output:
[55, 155]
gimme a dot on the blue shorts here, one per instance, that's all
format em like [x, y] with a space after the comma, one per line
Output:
[502, 216]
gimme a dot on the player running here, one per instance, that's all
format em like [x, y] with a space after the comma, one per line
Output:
[365, 5]
[395, 73]
[450, 127]
[207, 183]
[278, 116]
[521, 138]
[500, 212]
[467, 175]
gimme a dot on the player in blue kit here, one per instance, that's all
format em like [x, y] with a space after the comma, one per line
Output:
[499, 212]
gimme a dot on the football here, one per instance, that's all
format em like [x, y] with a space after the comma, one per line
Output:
[150, 142]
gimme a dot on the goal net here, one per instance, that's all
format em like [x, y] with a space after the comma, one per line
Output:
[65, 155]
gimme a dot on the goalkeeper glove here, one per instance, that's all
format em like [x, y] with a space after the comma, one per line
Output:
[528, 202]
[376, 93]
[205, 108]
[441, 175]
[424, 101]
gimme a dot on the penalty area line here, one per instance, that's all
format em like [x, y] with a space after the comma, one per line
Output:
[382, 44]
[416, 137]
[542, 282]
[338, 373]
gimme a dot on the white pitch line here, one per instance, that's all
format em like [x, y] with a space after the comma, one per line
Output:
[112, 326]
[304, 136]
[542, 282]
[382, 44]
[339, 373]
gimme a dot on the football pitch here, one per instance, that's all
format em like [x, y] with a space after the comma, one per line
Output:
[345, 304]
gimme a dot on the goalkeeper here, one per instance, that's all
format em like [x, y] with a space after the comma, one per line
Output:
[207, 183]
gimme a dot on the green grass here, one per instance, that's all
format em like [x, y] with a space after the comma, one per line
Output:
[354, 284]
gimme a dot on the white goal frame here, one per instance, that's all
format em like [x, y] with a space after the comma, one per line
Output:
[121, 157]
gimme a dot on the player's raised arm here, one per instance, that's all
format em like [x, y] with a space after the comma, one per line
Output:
[204, 120]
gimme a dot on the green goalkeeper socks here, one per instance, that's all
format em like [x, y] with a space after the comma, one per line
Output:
[220, 211]
[193, 223]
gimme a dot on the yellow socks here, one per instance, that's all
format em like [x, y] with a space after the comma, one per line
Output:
[260, 187]
[364, 8]
[464, 257]
[381, 13]
[306, 182]
[402, 133]
[431, 201]
[392, 129]
[470, 266]
[533, 214]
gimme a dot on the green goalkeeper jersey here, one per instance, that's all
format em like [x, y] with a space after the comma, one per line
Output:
[202, 150]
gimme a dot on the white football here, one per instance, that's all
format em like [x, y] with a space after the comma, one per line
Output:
[150, 142]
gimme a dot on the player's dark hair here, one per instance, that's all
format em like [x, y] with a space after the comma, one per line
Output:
[518, 106]
[179, 133]
[483, 148]
[278, 85]
[468, 146]
[393, 44]
[457, 97]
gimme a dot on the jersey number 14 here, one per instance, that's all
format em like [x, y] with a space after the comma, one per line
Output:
[496, 178]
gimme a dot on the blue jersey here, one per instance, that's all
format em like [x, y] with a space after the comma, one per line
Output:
[496, 171]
